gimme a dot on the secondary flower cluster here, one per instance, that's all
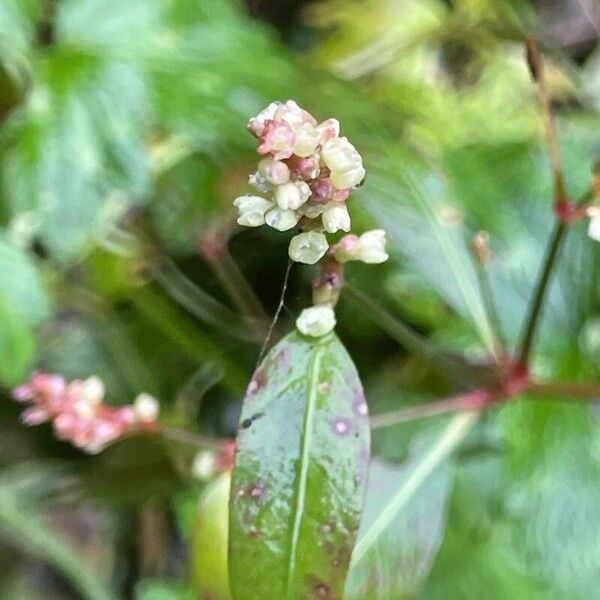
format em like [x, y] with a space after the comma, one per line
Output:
[308, 172]
[78, 412]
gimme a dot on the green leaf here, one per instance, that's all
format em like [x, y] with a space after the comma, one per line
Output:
[300, 475]
[17, 344]
[396, 566]
[21, 284]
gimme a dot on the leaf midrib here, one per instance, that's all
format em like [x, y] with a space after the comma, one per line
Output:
[300, 496]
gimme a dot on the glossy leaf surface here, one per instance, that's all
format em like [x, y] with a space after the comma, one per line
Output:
[299, 482]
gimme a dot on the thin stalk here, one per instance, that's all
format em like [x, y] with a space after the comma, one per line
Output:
[475, 400]
[190, 438]
[239, 290]
[541, 289]
[584, 390]
[481, 399]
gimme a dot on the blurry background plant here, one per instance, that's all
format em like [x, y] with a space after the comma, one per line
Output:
[122, 147]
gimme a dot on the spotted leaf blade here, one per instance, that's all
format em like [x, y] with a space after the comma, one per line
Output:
[300, 476]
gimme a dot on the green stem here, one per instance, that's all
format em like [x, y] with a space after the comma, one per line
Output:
[541, 289]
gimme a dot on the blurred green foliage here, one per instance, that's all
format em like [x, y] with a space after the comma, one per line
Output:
[122, 145]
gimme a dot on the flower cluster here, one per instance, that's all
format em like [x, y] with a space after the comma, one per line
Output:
[307, 171]
[78, 412]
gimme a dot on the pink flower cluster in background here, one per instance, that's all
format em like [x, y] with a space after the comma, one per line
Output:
[78, 413]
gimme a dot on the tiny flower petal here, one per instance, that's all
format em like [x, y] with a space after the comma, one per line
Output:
[316, 321]
[336, 217]
[146, 408]
[594, 228]
[311, 210]
[308, 248]
[252, 210]
[278, 139]
[307, 140]
[328, 130]
[292, 195]
[340, 155]
[282, 220]
[204, 465]
[274, 171]
[372, 247]
[256, 124]
[348, 179]
[347, 249]
[93, 390]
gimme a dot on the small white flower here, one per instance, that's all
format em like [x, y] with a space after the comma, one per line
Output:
[336, 217]
[372, 247]
[282, 220]
[274, 171]
[340, 155]
[594, 228]
[348, 179]
[344, 161]
[293, 114]
[328, 130]
[312, 211]
[308, 247]
[204, 465]
[292, 195]
[93, 390]
[307, 140]
[368, 248]
[316, 321]
[252, 210]
[146, 408]
[257, 124]
[259, 182]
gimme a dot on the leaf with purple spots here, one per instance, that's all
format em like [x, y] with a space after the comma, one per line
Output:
[300, 477]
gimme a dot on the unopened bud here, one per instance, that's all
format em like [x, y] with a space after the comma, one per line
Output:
[146, 408]
[316, 321]
[481, 247]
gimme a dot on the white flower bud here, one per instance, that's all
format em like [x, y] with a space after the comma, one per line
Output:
[307, 140]
[308, 247]
[371, 247]
[257, 124]
[204, 465]
[292, 195]
[312, 211]
[328, 130]
[340, 155]
[259, 182]
[252, 210]
[348, 179]
[274, 171]
[316, 321]
[594, 228]
[282, 220]
[146, 408]
[293, 114]
[93, 390]
[368, 248]
[336, 217]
